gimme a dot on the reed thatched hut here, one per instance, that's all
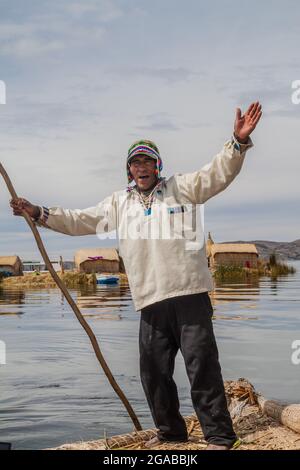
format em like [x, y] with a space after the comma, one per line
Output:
[97, 260]
[11, 266]
[231, 254]
[234, 254]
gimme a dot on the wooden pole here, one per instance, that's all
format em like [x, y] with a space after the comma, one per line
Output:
[74, 307]
[61, 265]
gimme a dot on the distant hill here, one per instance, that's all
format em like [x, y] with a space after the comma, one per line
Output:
[284, 250]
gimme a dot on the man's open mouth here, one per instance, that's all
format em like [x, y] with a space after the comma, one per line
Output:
[143, 177]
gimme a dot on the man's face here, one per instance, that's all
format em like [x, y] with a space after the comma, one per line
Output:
[142, 169]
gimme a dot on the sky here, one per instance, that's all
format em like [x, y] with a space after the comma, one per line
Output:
[84, 79]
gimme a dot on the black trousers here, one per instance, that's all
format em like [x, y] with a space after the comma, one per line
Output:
[183, 323]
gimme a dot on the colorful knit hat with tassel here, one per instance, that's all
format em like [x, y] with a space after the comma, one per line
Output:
[144, 147]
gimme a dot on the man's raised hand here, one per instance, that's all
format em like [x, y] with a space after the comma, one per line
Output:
[246, 123]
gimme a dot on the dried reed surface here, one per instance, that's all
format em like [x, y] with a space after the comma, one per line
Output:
[72, 279]
[41, 280]
[255, 430]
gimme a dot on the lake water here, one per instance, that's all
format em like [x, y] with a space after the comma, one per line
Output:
[52, 389]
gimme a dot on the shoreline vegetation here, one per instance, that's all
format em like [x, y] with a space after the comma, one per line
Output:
[72, 279]
[271, 267]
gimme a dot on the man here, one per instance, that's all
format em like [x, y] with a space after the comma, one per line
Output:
[168, 276]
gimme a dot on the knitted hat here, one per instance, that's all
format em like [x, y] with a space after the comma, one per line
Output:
[144, 147]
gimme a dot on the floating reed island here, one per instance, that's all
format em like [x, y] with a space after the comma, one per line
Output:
[260, 424]
[271, 268]
[72, 279]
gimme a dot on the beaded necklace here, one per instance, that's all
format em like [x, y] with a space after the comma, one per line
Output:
[146, 198]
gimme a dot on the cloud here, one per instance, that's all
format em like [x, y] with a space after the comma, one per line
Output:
[196, 125]
[35, 46]
[161, 121]
[158, 122]
[266, 84]
[67, 26]
[169, 75]
[69, 109]
[104, 11]
[108, 167]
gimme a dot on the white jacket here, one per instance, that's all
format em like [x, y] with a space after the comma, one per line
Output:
[159, 267]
